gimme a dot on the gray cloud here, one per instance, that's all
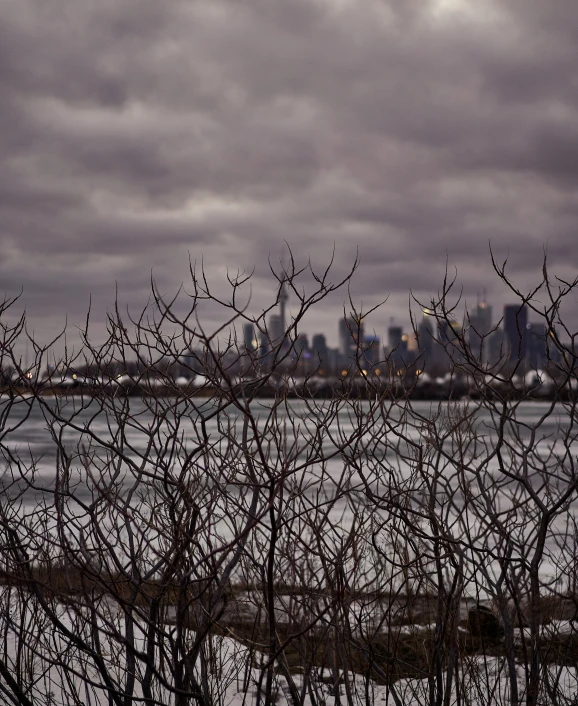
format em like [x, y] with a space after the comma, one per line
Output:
[136, 133]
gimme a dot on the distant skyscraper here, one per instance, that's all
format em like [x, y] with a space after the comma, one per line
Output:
[450, 335]
[515, 332]
[301, 343]
[319, 346]
[537, 346]
[344, 337]
[351, 337]
[264, 346]
[264, 350]
[283, 297]
[249, 337]
[448, 331]
[480, 327]
[246, 361]
[397, 347]
[394, 337]
[373, 354]
[426, 333]
[276, 329]
[494, 349]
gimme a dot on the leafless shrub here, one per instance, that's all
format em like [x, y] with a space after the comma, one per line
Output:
[172, 542]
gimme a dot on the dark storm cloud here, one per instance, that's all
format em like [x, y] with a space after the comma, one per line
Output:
[135, 133]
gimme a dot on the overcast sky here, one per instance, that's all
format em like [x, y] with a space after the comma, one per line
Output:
[136, 132]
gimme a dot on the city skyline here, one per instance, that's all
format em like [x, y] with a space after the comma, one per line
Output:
[510, 339]
[481, 318]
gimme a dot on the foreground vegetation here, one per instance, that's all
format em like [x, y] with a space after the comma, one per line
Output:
[179, 549]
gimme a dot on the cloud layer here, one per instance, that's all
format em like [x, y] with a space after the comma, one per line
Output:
[134, 133]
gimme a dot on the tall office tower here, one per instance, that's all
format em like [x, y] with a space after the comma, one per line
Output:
[351, 337]
[344, 337]
[448, 331]
[246, 362]
[480, 327]
[372, 348]
[494, 350]
[276, 329]
[301, 356]
[283, 297]
[394, 338]
[537, 346]
[515, 332]
[426, 333]
[301, 343]
[449, 335]
[397, 347]
[264, 355]
[319, 347]
[249, 337]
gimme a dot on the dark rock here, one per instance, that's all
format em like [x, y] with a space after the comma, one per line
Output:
[483, 622]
